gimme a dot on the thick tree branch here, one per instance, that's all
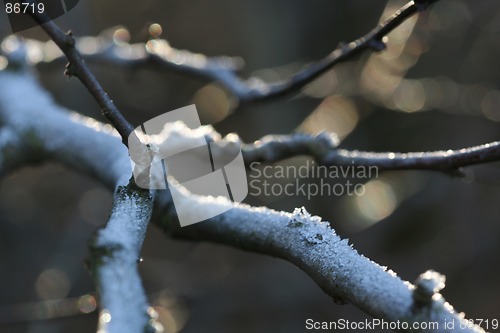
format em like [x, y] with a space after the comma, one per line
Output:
[115, 253]
[48, 132]
[77, 67]
[331, 262]
[323, 148]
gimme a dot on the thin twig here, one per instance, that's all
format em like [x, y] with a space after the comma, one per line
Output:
[77, 67]
[372, 40]
[323, 148]
[158, 54]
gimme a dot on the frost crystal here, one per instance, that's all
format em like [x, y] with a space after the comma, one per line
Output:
[312, 229]
[428, 284]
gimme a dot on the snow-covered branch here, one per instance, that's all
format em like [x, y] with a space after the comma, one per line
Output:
[302, 239]
[115, 252]
[330, 261]
[35, 129]
[323, 148]
[47, 130]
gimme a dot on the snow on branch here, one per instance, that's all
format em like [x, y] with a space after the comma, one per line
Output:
[330, 261]
[114, 257]
[323, 148]
[52, 132]
[35, 129]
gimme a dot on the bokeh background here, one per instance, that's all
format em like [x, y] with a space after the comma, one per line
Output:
[436, 87]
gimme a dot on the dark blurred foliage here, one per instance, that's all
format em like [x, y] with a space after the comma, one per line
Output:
[436, 87]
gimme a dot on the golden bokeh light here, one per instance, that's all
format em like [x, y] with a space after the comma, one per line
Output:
[378, 201]
[382, 196]
[490, 105]
[121, 36]
[213, 103]
[155, 30]
[52, 283]
[88, 45]
[87, 304]
[410, 96]
[337, 114]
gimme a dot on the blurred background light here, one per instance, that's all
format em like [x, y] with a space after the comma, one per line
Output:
[336, 114]
[52, 283]
[213, 103]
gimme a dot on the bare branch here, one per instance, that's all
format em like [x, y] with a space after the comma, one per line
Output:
[77, 67]
[323, 148]
[158, 54]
